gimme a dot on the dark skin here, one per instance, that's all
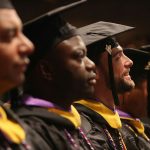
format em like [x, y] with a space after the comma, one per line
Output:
[64, 75]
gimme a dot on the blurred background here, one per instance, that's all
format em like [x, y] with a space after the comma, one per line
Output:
[134, 13]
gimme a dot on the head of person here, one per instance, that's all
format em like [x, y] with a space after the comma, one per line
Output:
[139, 72]
[14, 48]
[112, 65]
[59, 65]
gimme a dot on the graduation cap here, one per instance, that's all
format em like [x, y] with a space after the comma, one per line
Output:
[6, 4]
[48, 30]
[140, 60]
[141, 67]
[145, 48]
[101, 30]
[99, 37]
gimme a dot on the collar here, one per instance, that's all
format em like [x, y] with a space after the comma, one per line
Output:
[12, 131]
[134, 122]
[111, 117]
[73, 116]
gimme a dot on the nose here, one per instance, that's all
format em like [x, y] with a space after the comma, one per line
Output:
[26, 46]
[128, 62]
[90, 65]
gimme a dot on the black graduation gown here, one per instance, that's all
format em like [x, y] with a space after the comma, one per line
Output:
[132, 138]
[94, 125]
[52, 128]
[32, 139]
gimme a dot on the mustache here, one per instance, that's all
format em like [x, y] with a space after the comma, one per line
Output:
[126, 72]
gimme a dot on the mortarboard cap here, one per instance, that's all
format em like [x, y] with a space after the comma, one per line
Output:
[101, 30]
[140, 60]
[145, 48]
[97, 35]
[6, 4]
[47, 31]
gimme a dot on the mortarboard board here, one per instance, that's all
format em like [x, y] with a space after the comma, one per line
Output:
[47, 31]
[98, 37]
[140, 60]
[101, 30]
[141, 67]
[6, 4]
[145, 48]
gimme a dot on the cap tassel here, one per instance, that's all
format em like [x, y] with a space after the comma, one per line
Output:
[111, 76]
[148, 91]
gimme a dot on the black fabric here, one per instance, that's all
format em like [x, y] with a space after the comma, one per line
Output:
[101, 30]
[51, 127]
[47, 31]
[32, 138]
[133, 140]
[112, 80]
[94, 125]
[6, 4]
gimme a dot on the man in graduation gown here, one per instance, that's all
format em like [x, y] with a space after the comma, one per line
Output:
[133, 104]
[100, 119]
[14, 51]
[59, 73]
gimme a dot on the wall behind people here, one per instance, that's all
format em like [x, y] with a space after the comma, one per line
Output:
[133, 13]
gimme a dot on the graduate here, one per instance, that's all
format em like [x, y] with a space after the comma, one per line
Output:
[100, 119]
[14, 51]
[59, 73]
[133, 104]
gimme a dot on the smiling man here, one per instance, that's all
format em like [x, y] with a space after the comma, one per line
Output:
[100, 119]
[133, 104]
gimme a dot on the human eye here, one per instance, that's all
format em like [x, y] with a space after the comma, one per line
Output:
[79, 54]
[8, 35]
[118, 55]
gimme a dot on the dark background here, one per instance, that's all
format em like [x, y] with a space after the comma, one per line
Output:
[129, 12]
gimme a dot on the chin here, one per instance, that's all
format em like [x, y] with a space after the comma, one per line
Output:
[131, 84]
[19, 80]
[125, 86]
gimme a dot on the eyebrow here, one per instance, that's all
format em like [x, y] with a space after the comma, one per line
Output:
[115, 52]
[8, 29]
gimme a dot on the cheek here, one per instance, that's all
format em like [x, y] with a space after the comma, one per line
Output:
[5, 61]
[7, 58]
[118, 69]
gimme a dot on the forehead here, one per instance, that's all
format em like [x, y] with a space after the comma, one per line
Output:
[74, 42]
[9, 18]
[116, 50]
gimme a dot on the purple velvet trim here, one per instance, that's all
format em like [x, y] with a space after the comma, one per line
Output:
[32, 101]
[126, 115]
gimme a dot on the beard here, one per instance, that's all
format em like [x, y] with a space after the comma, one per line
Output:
[123, 85]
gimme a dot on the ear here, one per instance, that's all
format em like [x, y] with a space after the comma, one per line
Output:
[45, 69]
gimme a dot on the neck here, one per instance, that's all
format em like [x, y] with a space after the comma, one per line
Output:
[56, 97]
[104, 95]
